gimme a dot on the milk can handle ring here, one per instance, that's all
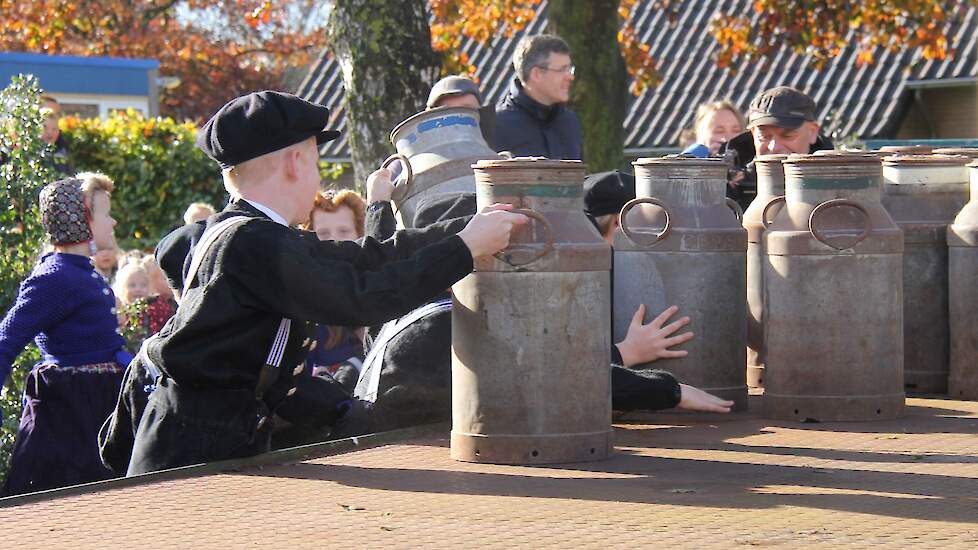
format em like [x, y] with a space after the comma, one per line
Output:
[548, 246]
[405, 165]
[867, 222]
[737, 210]
[644, 200]
[767, 208]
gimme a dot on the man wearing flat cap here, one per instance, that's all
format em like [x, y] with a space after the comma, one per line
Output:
[780, 121]
[253, 286]
[455, 91]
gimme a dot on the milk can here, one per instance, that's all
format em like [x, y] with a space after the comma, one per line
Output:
[923, 193]
[962, 240]
[681, 243]
[437, 148]
[833, 295]
[770, 184]
[531, 327]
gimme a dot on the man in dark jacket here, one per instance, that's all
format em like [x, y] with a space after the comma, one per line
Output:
[780, 121]
[532, 119]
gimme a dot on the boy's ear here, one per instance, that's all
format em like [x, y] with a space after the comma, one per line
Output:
[290, 162]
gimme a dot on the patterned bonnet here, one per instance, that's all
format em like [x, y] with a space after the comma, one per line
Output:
[63, 212]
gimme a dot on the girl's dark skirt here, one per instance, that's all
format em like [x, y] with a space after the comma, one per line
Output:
[57, 441]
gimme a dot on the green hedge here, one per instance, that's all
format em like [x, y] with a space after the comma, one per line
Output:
[157, 170]
[24, 170]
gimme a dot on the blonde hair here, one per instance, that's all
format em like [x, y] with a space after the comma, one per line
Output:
[188, 215]
[94, 181]
[126, 257]
[120, 286]
[261, 167]
[706, 110]
[331, 201]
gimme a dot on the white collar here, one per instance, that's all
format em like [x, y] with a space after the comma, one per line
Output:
[267, 211]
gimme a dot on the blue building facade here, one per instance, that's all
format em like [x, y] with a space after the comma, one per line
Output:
[89, 86]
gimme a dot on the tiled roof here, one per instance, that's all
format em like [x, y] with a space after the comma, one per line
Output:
[865, 101]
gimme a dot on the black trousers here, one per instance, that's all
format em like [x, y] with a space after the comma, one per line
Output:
[184, 426]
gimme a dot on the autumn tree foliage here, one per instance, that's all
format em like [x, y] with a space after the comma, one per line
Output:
[217, 48]
[820, 29]
[483, 20]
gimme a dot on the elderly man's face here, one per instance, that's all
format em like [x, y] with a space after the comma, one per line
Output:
[775, 140]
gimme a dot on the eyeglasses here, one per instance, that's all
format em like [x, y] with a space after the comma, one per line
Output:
[568, 69]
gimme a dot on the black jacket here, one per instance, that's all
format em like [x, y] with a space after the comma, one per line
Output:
[527, 128]
[212, 351]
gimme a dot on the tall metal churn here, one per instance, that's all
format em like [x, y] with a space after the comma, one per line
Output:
[833, 295]
[770, 184]
[923, 193]
[438, 147]
[531, 327]
[962, 240]
[681, 243]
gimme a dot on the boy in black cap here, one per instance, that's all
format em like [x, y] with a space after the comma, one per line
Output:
[253, 286]
[779, 121]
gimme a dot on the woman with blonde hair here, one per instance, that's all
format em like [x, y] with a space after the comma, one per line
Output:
[715, 123]
[68, 309]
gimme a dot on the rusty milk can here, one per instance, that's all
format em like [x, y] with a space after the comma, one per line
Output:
[531, 347]
[833, 295]
[962, 240]
[681, 243]
[922, 193]
[770, 184]
[438, 147]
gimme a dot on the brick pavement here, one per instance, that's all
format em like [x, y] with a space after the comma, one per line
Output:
[677, 480]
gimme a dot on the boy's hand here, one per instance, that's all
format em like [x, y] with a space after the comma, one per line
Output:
[695, 399]
[489, 231]
[379, 186]
[645, 343]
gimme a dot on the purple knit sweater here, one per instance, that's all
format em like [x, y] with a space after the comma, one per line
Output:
[69, 310]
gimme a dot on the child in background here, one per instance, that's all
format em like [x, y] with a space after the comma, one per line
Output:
[337, 351]
[131, 289]
[106, 263]
[161, 304]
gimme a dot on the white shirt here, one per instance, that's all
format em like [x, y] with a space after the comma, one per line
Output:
[267, 211]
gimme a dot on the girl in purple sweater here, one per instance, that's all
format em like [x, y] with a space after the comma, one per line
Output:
[69, 311]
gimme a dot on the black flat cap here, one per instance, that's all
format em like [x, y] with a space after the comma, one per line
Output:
[607, 192]
[783, 106]
[259, 123]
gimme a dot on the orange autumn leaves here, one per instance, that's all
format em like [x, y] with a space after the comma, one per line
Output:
[821, 29]
[481, 20]
[249, 47]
